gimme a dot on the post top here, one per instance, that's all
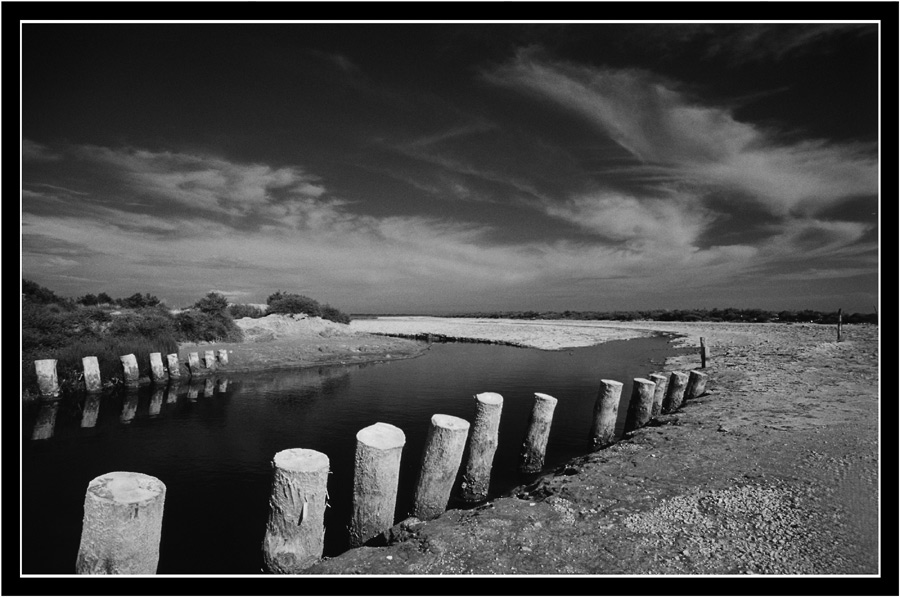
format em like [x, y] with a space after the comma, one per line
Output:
[490, 398]
[611, 382]
[449, 422]
[545, 397]
[300, 460]
[653, 376]
[698, 373]
[641, 380]
[124, 487]
[680, 374]
[382, 435]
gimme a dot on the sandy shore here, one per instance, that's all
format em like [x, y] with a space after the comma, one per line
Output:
[773, 471]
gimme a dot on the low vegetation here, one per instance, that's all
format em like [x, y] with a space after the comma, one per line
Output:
[67, 329]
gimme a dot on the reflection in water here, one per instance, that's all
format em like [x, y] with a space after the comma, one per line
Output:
[209, 387]
[193, 391]
[172, 397]
[223, 385]
[156, 401]
[46, 421]
[91, 410]
[129, 406]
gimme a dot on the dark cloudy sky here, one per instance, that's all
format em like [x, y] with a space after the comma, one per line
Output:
[455, 167]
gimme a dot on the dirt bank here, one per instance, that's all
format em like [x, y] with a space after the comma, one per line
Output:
[774, 471]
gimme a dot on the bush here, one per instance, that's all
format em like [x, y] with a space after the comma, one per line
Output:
[289, 304]
[213, 302]
[241, 311]
[335, 315]
[197, 326]
[149, 323]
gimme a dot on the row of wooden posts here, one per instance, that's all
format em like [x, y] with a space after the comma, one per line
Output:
[48, 381]
[123, 510]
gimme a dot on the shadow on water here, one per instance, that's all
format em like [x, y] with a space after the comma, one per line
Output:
[211, 440]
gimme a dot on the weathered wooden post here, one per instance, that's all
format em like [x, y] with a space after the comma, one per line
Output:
[675, 392]
[122, 524]
[483, 441]
[659, 392]
[531, 459]
[209, 360]
[440, 463]
[375, 478]
[222, 355]
[606, 412]
[48, 385]
[46, 421]
[91, 410]
[209, 387]
[156, 400]
[840, 322]
[92, 382]
[702, 352]
[173, 365]
[157, 371]
[295, 531]
[129, 406]
[696, 385]
[641, 405]
[130, 369]
[194, 363]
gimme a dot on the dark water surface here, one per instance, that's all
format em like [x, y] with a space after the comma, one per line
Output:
[212, 442]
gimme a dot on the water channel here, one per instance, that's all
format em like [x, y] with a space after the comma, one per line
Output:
[212, 441]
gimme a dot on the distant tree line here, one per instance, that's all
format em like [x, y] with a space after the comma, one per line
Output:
[730, 314]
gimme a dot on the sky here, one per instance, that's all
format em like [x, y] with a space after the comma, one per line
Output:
[437, 168]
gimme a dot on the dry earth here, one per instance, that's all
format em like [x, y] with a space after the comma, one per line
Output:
[774, 471]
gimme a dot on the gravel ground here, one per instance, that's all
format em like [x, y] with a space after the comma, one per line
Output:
[773, 472]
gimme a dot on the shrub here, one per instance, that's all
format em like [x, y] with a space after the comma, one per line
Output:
[150, 323]
[333, 314]
[241, 311]
[197, 326]
[289, 304]
[213, 302]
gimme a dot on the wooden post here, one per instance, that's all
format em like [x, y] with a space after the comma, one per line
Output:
[91, 368]
[696, 385]
[702, 352]
[129, 407]
[156, 400]
[531, 459]
[659, 392]
[641, 405]
[295, 531]
[440, 463]
[209, 360]
[194, 363]
[46, 421]
[222, 356]
[606, 411]
[375, 479]
[91, 410]
[840, 321]
[157, 371]
[48, 385]
[130, 369]
[675, 392]
[122, 524]
[476, 479]
[173, 365]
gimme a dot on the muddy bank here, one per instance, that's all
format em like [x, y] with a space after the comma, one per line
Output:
[773, 471]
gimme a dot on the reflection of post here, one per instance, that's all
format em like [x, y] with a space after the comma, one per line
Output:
[534, 447]
[696, 385]
[193, 391]
[675, 392]
[91, 410]
[295, 531]
[482, 446]
[172, 395]
[194, 363]
[659, 392]
[156, 401]
[209, 387]
[92, 382]
[375, 478]
[43, 427]
[223, 356]
[209, 360]
[606, 411]
[157, 371]
[46, 377]
[641, 405]
[122, 525]
[440, 463]
[130, 369]
[173, 365]
[223, 385]
[129, 408]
